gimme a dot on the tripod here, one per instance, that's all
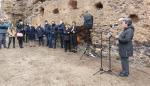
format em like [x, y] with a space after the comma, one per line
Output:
[101, 70]
[86, 50]
[101, 57]
[88, 43]
[110, 69]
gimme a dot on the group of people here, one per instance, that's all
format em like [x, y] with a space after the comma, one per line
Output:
[51, 33]
[67, 36]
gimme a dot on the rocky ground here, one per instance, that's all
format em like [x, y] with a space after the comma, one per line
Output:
[41, 66]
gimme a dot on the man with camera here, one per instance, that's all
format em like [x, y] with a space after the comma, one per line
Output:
[88, 25]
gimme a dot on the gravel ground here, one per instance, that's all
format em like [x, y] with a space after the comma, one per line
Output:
[41, 66]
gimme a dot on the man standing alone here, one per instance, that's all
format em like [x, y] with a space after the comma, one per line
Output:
[88, 25]
[125, 45]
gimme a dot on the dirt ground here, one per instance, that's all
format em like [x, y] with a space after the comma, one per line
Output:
[41, 66]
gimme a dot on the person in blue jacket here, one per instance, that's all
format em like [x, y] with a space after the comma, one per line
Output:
[3, 30]
[54, 33]
[31, 34]
[47, 28]
[40, 35]
[61, 28]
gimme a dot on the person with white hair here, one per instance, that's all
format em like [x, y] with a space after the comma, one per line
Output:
[125, 45]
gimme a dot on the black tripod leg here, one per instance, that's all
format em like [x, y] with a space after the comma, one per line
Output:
[109, 56]
[101, 67]
[96, 72]
[83, 54]
[101, 52]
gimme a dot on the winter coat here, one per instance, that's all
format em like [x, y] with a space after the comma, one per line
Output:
[125, 42]
[31, 33]
[40, 31]
[11, 32]
[67, 34]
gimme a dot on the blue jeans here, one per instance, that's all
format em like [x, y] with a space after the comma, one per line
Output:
[50, 42]
[53, 42]
[2, 40]
[73, 40]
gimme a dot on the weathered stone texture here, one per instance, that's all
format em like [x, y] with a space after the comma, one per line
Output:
[104, 11]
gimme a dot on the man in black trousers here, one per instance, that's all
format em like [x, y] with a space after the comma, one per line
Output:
[125, 45]
[88, 25]
[47, 26]
[67, 32]
[40, 34]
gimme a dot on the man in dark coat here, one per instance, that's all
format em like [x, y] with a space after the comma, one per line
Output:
[48, 35]
[88, 20]
[40, 34]
[125, 45]
[31, 34]
[61, 28]
[67, 32]
[47, 27]
[54, 33]
[26, 28]
[73, 37]
[88, 25]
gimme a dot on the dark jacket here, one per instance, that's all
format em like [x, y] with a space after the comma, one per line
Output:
[31, 33]
[27, 28]
[67, 35]
[74, 31]
[88, 21]
[61, 28]
[40, 31]
[54, 31]
[125, 42]
[47, 29]
[20, 27]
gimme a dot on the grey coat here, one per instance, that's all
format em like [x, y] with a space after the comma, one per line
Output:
[125, 42]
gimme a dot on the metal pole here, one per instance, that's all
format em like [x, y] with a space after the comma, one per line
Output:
[109, 55]
[101, 69]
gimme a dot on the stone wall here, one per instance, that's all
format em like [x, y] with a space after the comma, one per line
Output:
[104, 12]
